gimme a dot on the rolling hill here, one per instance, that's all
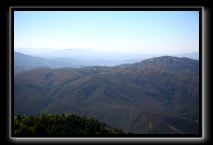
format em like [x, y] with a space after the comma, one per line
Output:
[157, 95]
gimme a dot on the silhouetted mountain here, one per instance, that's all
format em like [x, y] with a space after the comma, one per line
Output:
[85, 56]
[157, 95]
[25, 62]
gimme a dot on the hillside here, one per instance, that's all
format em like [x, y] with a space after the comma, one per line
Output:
[66, 125]
[157, 95]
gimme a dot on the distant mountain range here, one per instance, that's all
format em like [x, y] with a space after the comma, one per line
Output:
[25, 62]
[156, 95]
[79, 58]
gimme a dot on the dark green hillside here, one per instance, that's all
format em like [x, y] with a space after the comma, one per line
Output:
[60, 125]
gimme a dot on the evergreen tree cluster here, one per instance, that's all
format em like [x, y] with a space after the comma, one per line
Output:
[65, 125]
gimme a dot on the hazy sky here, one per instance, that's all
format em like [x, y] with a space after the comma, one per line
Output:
[148, 32]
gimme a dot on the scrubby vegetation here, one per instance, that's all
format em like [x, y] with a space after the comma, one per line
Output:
[66, 125]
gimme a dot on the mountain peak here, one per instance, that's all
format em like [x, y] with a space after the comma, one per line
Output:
[170, 63]
[166, 58]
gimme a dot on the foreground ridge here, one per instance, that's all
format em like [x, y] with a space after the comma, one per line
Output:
[69, 125]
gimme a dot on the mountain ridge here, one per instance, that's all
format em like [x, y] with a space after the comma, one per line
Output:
[120, 95]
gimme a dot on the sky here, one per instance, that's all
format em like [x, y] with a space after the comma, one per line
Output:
[147, 32]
